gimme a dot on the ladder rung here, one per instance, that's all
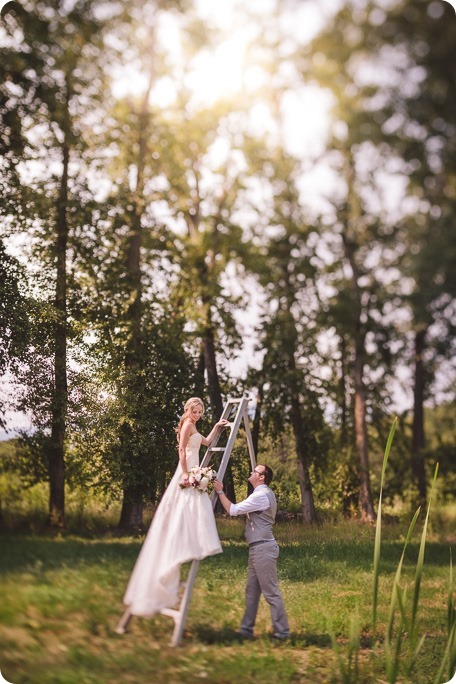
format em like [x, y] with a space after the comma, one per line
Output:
[170, 612]
[216, 449]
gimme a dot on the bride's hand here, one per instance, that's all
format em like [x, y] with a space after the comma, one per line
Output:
[185, 482]
[222, 423]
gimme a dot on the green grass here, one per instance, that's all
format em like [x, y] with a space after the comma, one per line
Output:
[61, 598]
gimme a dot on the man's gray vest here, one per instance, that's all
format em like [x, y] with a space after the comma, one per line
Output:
[258, 526]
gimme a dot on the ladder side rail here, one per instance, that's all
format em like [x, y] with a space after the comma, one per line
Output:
[228, 407]
[123, 622]
[240, 415]
[208, 456]
[184, 605]
[232, 438]
[229, 446]
[225, 413]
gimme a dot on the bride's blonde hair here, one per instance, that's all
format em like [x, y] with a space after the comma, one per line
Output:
[189, 406]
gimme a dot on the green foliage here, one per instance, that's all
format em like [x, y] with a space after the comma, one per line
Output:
[131, 440]
[279, 453]
[14, 323]
[440, 428]
[392, 655]
[14, 318]
[10, 483]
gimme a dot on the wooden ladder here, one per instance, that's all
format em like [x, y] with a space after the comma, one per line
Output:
[238, 407]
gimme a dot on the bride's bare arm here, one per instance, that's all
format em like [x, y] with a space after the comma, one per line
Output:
[207, 440]
[183, 441]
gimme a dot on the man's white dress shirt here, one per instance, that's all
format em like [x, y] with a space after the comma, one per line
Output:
[257, 501]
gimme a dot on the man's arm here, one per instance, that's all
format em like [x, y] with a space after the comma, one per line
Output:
[257, 501]
[224, 500]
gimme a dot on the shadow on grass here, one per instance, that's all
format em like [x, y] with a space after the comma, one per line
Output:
[22, 553]
[305, 562]
[228, 637]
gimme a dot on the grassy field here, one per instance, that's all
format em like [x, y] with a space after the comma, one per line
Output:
[61, 597]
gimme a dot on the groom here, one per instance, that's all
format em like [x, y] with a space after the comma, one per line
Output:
[260, 508]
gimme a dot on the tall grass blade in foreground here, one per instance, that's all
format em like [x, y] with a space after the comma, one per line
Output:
[336, 649]
[396, 584]
[378, 526]
[451, 620]
[415, 648]
[450, 657]
[450, 650]
[350, 671]
[451, 610]
[420, 561]
[353, 646]
[392, 654]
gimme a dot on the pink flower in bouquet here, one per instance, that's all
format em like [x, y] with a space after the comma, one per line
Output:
[200, 478]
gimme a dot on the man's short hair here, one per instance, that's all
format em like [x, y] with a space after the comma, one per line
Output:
[268, 475]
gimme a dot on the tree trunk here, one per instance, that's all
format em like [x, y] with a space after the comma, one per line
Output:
[418, 438]
[210, 362]
[365, 495]
[133, 494]
[131, 515]
[200, 368]
[343, 391]
[257, 418]
[60, 394]
[349, 493]
[299, 428]
[305, 485]
[362, 449]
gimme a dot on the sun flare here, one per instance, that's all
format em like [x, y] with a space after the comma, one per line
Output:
[219, 73]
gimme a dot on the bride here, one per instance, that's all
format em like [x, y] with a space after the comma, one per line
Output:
[183, 527]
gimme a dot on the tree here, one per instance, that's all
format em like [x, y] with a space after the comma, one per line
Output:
[352, 227]
[57, 79]
[392, 86]
[131, 320]
[287, 273]
[208, 246]
[363, 232]
[422, 128]
[131, 437]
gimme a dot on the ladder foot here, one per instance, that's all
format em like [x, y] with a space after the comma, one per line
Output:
[123, 622]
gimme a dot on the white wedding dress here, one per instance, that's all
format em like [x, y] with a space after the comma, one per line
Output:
[183, 529]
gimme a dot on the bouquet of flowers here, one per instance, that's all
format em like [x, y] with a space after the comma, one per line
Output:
[200, 478]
